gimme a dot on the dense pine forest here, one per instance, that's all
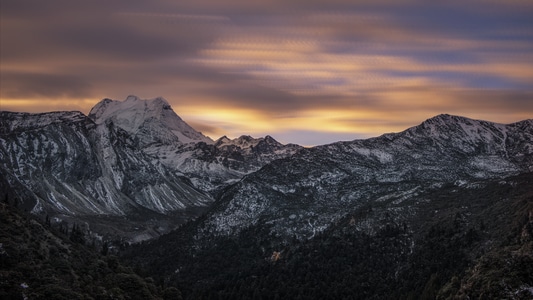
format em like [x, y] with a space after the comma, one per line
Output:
[484, 252]
[42, 260]
[447, 252]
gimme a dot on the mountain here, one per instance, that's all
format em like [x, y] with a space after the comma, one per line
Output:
[415, 214]
[441, 210]
[303, 194]
[156, 129]
[65, 165]
[149, 122]
[211, 167]
[132, 168]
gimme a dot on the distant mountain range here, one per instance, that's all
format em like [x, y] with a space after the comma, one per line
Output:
[255, 213]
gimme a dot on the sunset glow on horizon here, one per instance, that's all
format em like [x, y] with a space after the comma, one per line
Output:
[306, 72]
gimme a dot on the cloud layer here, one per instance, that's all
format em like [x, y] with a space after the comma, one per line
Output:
[309, 72]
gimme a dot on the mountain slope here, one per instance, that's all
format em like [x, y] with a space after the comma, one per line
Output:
[472, 241]
[440, 210]
[147, 121]
[156, 129]
[65, 165]
[303, 194]
[128, 159]
[97, 167]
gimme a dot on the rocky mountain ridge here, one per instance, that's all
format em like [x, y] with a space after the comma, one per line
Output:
[212, 167]
[433, 212]
[138, 158]
[421, 213]
[114, 163]
[304, 194]
[446, 242]
[160, 133]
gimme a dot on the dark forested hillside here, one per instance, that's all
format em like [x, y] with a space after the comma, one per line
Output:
[41, 262]
[461, 242]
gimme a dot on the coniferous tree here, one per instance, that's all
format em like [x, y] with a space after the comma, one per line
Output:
[77, 235]
[105, 248]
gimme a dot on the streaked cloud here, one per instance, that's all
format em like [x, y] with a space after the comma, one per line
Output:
[309, 72]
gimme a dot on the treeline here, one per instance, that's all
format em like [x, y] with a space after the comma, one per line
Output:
[41, 262]
[462, 243]
[334, 265]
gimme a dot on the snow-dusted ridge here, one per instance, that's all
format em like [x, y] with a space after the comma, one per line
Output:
[131, 157]
[305, 193]
[72, 165]
[244, 141]
[18, 121]
[214, 166]
[138, 156]
[162, 134]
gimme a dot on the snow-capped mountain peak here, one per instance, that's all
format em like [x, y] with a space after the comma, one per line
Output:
[131, 112]
[223, 140]
[153, 126]
[445, 122]
[152, 121]
[468, 134]
[246, 141]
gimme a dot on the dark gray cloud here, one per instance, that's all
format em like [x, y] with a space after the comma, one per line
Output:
[101, 34]
[19, 85]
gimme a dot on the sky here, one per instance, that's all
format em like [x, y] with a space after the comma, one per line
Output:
[307, 72]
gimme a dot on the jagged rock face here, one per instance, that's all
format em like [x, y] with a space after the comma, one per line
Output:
[304, 194]
[163, 135]
[248, 154]
[131, 157]
[41, 152]
[214, 166]
[67, 164]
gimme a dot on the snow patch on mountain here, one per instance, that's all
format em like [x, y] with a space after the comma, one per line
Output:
[172, 143]
[150, 121]
[212, 166]
[316, 187]
[65, 163]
